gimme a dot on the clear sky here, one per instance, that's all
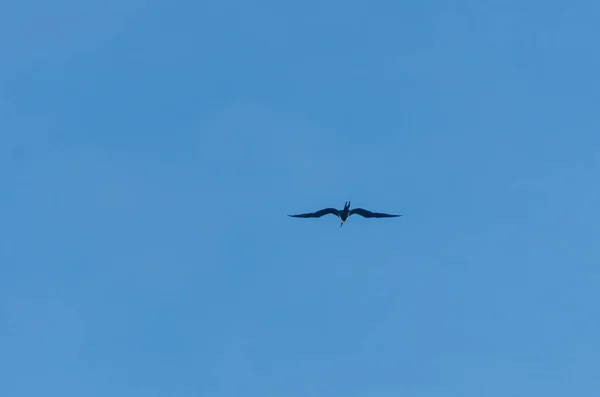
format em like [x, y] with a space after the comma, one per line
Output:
[151, 151]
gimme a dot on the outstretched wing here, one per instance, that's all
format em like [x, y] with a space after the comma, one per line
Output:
[317, 214]
[368, 214]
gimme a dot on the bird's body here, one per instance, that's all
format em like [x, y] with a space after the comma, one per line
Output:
[345, 213]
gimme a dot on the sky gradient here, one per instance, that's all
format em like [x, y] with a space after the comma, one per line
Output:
[150, 152]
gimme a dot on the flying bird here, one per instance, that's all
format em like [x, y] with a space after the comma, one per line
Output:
[345, 213]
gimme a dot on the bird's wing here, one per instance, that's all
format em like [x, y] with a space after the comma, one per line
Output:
[317, 214]
[368, 214]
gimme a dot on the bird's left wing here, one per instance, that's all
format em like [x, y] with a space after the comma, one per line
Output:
[317, 214]
[369, 214]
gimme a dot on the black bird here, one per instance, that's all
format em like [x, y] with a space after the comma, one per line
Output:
[345, 213]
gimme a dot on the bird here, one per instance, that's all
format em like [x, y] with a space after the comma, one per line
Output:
[345, 213]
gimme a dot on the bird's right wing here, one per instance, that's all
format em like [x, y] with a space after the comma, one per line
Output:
[369, 214]
[317, 214]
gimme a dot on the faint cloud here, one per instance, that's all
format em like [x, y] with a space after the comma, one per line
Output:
[51, 34]
[38, 326]
[289, 150]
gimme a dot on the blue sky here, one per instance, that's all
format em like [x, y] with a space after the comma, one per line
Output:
[150, 152]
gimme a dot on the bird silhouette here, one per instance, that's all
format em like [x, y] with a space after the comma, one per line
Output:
[345, 213]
